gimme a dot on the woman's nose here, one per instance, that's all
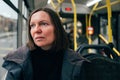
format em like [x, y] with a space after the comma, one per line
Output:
[38, 28]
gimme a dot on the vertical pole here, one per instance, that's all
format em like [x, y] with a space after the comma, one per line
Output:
[118, 38]
[109, 20]
[75, 25]
[19, 25]
[90, 16]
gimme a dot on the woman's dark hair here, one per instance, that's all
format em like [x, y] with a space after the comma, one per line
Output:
[61, 40]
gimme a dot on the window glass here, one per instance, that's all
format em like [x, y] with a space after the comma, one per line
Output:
[8, 25]
[24, 10]
[15, 2]
[8, 28]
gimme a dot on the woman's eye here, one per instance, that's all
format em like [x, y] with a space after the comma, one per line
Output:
[43, 24]
[32, 25]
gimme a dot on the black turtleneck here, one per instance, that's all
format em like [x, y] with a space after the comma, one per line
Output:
[47, 65]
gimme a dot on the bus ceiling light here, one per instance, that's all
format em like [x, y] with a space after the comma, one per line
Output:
[92, 2]
[48, 2]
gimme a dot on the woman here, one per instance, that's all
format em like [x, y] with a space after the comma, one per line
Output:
[46, 56]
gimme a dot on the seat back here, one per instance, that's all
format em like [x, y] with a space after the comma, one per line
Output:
[100, 67]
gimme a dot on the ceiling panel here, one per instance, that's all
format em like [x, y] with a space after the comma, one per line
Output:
[41, 3]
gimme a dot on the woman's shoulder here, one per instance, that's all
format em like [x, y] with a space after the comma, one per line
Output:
[17, 55]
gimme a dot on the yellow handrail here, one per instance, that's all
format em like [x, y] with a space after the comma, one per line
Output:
[52, 3]
[75, 24]
[59, 3]
[90, 16]
[114, 49]
[87, 24]
[112, 3]
[56, 7]
[92, 13]
[109, 20]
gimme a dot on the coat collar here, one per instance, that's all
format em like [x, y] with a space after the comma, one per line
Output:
[18, 55]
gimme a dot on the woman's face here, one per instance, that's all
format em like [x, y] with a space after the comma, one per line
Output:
[42, 30]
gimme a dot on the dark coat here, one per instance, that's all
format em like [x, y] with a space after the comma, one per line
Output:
[19, 67]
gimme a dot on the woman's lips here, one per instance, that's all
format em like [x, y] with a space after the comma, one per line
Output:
[39, 38]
